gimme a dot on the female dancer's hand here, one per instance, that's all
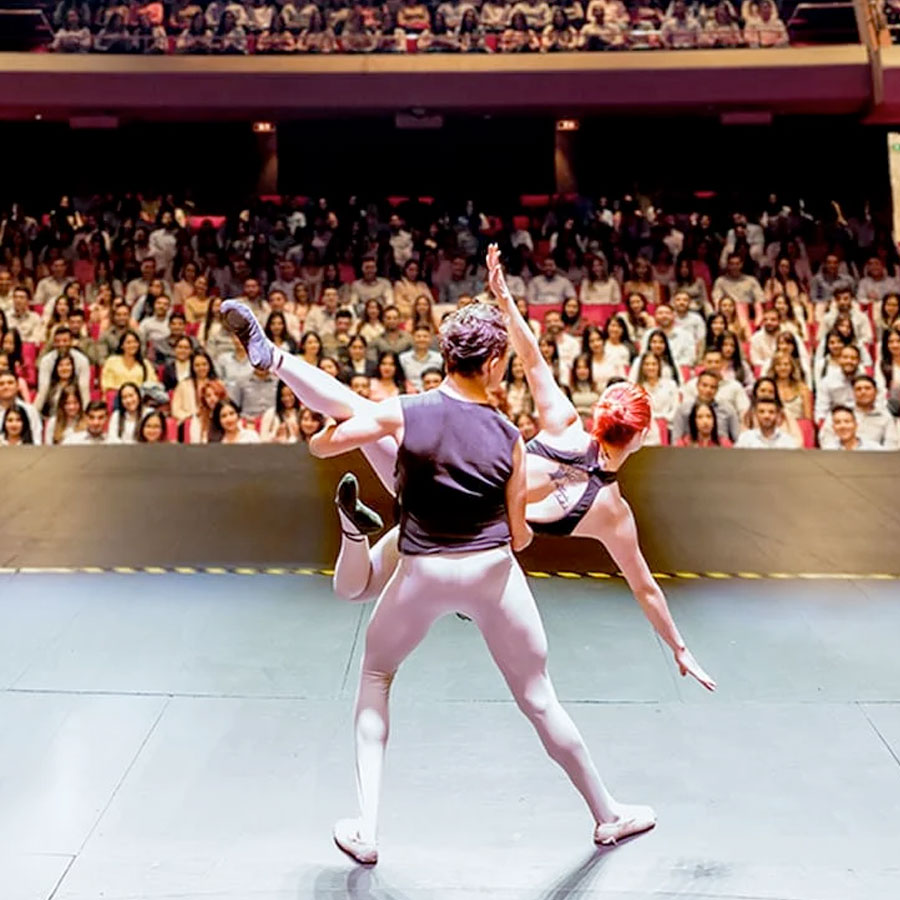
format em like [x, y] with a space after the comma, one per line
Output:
[687, 665]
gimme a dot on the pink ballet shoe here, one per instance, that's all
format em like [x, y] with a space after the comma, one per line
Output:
[631, 820]
[241, 322]
[346, 836]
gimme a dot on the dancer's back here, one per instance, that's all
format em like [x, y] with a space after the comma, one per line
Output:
[453, 466]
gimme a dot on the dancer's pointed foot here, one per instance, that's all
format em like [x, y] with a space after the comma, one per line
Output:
[241, 321]
[631, 820]
[355, 512]
[347, 837]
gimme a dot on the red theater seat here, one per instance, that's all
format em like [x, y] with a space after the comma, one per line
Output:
[537, 311]
[807, 429]
[534, 201]
[663, 427]
[171, 430]
[196, 221]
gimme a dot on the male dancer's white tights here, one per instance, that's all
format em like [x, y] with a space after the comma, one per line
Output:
[323, 393]
[490, 588]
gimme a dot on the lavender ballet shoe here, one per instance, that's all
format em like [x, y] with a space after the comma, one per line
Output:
[240, 321]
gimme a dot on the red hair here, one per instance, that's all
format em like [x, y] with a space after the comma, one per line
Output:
[622, 412]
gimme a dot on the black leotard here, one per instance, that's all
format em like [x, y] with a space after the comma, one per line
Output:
[597, 479]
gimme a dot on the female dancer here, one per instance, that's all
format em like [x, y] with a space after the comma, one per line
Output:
[570, 491]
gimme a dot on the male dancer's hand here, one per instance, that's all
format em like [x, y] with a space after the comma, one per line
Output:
[496, 281]
[687, 665]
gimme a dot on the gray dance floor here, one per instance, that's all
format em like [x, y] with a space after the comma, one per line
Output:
[189, 737]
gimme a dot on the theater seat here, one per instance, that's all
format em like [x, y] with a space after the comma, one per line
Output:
[534, 201]
[171, 430]
[521, 223]
[196, 221]
[807, 429]
[110, 398]
[663, 427]
[537, 311]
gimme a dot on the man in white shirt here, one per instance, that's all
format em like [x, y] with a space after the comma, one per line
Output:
[768, 435]
[567, 345]
[370, 287]
[253, 297]
[421, 357]
[550, 286]
[234, 368]
[735, 284]
[97, 420]
[321, 319]
[401, 241]
[155, 329]
[751, 231]
[872, 421]
[836, 389]
[764, 341]
[690, 322]
[25, 320]
[164, 244]
[730, 391]
[843, 304]
[64, 345]
[681, 344]
[845, 428]
[9, 388]
[138, 287]
[52, 286]
[875, 284]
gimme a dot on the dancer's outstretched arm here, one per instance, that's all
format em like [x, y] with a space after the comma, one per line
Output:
[385, 419]
[621, 540]
[554, 409]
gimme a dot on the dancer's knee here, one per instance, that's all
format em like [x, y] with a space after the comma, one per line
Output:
[371, 727]
[351, 594]
[535, 698]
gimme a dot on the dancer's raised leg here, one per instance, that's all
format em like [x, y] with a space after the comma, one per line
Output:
[313, 387]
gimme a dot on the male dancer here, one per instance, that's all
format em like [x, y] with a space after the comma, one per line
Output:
[461, 485]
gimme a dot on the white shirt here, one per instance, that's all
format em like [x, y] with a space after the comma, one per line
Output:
[762, 347]
[877, 427]
[664, 399]
[245, 436]
[47, 290]
[862, 444]
[85, 437]
[543, 290]
[755, 440]
[34, 420]
[129, 430]
[681, 344]
[693, 324]
[730, 392]
[29, 326]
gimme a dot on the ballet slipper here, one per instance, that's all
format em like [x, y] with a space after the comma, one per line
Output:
[359, 519]
[631, 820]
[241, 321]
[346, 836]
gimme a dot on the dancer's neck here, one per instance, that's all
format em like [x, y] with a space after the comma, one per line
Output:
[471, 389]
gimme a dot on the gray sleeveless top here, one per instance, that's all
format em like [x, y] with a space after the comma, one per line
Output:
[452, 469]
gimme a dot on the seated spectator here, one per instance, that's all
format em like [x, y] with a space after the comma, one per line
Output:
[470, 35]
[431, 379]
[164, 350]
[372, 323]
[277, 332]
[393, 339]
[763, 27]
[148, 37]
[155, 328]
[147, 302]
[836, 388]
[420, 357]
[413, 15]
[196, 303]
[187, 394]
[95, 430]
[310, 423]
[599, 34]
[832, 274]
[9, 399]
[358, 359]
[276, 38]
[730, 392]
[494, 15]
[663, 391]
[260, 15]
[63, 345]
[179, 368]
[23, 319]
[887, 373]
[199, 428]
[736, 320]
[558, 36]
[62, 376]
[229, 37]
[126, 416]
[796, 398]
[643, 281]
[227, 426]
[357, 36]
[527, 425]
[875, 284]
[681, 343]
[311, 348]
[599, 288]
[114, 37]
[462, 282]
[281, 422]
[256, 393]
[152, 429]
[733, 365]
[16, 429]
[127, 364]
[744, 289]
[768, 433]
[680, 29]
[217, 8]
[518, 37]
[843, 327]
[537, 13]
[707, 387]
[887, 315]
[689, 322]
[518, 394]
[605, 358]
[763, 343]
[550, 287]
[370, 286]
[687, 281]
[318, 36]
[359, 384]
[8, 363]
[389, 379]
[703, 428]
[722, 29]
[842, 304]
[872, 422]
[657, 343]
[638, 321]
[213, 334]
[73, 36]
[196, 37]
[181, 13]
[583, 390]
[845, 431]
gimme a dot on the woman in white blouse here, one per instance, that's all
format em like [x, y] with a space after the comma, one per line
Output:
[617, 349]
[603, 366]
[281, 423]
[664, 394]
[226, 420]
[126, 416]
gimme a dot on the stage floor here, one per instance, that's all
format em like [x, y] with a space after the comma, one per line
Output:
[189, 737]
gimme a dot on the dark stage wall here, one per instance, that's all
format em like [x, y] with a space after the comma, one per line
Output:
[698, 511]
